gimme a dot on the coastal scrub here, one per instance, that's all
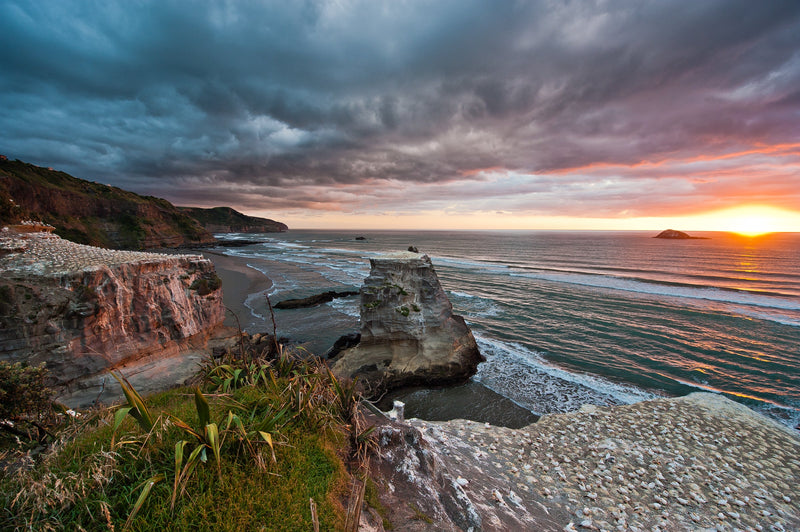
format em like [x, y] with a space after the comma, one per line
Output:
[260, 450]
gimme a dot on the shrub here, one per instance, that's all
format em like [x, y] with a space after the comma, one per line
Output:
[23, 394]
[206, 285]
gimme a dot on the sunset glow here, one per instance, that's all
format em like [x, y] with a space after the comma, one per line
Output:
[753, 220]
[756, 220]
[418, 115]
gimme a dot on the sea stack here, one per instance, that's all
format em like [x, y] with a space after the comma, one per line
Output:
[409, 334]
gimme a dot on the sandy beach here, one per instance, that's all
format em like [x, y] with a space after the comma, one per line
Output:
[238, 281]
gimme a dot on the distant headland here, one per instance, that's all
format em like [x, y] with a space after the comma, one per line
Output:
[91, 213]
[671, 234]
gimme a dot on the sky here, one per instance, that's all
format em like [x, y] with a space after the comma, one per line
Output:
[558, 114]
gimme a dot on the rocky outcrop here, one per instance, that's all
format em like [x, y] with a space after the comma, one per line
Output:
[312, 301]
[409, 334]
[699, 462]
[671, 234]
[83, 310]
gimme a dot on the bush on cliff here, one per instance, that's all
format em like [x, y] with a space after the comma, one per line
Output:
[257, 446]
[27, 413]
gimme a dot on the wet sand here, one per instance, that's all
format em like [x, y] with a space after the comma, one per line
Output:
[315, 328]
[238, 282]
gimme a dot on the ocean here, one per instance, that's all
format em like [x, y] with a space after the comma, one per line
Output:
[569, 318]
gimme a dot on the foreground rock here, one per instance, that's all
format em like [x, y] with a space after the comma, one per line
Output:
[83, 310]
[700, 462]
[409, 334]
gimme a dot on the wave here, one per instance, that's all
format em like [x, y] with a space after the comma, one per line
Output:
[668, 289]
[525, 377]
[347, 306]
[472, 306]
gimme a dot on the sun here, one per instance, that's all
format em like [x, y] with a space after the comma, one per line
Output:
[755, 220]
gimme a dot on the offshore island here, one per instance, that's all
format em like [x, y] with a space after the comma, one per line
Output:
[86, 312]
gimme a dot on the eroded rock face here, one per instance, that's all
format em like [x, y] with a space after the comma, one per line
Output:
[409, 334]
[83, 310]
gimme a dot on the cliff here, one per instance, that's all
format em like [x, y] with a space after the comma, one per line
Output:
[83, 310]
[227, 220]
[91, 213]
[409, 334]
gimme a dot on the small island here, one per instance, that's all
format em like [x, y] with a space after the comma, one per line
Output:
[672, 234]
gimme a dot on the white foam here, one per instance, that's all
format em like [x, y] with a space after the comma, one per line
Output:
[347, 306]
[630, 285]
[472, 306]
[513, 354]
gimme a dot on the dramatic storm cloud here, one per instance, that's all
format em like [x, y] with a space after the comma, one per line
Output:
[596, 108]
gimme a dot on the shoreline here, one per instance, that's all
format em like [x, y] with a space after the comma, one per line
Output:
[241, 282]
[238, 282]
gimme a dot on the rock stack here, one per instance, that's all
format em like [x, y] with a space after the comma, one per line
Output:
[409, 334]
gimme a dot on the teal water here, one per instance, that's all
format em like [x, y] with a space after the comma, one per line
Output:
[567, 318]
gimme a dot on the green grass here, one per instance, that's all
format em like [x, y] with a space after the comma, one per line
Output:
[91, 213]
[94, 477]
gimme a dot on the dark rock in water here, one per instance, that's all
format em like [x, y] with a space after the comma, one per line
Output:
[311, 301]
[409, 334]
[361, 238]
[671, 234]
[344, 342]
[233, 243]
[413, 249]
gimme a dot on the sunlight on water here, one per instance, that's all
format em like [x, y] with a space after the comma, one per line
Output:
[570, 318]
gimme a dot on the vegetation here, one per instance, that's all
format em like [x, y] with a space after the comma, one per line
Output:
[206, 285]
[25, 406]
[92, 213]
[225, 218]
[257, 445]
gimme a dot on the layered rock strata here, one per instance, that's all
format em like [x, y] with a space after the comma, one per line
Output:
[409, 334]
[83, 310]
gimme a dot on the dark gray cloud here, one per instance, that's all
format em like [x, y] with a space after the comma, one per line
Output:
[287, 104]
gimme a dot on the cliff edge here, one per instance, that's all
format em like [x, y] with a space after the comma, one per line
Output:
[409, 334]
[84, 310]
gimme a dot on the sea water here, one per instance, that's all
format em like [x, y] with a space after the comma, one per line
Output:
[569, 318]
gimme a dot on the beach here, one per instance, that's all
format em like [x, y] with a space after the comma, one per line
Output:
[238, 282]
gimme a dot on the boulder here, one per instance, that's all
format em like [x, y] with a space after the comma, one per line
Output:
[409, 334]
